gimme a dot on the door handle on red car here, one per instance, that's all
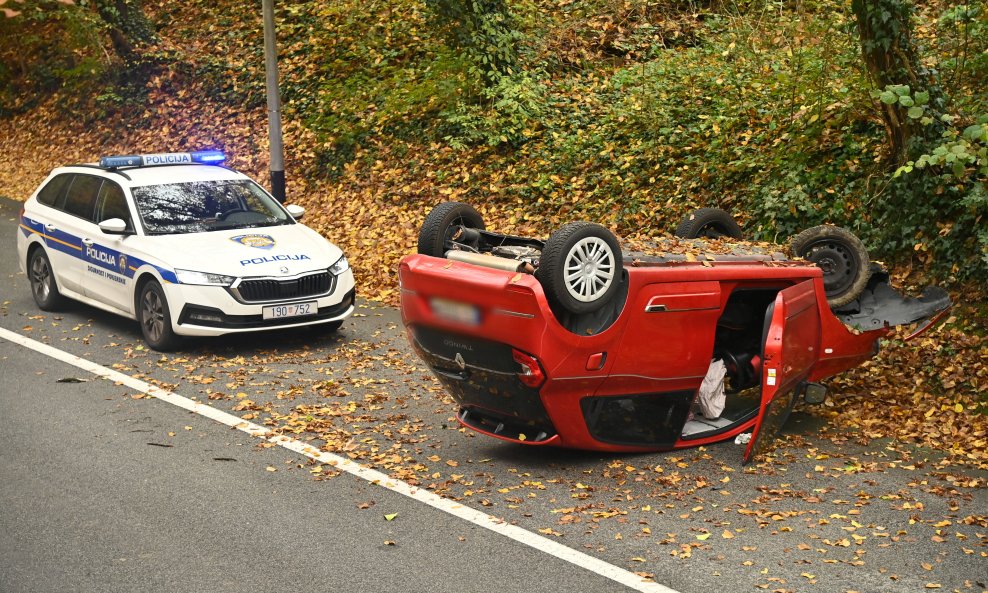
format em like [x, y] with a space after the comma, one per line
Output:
[655, 308]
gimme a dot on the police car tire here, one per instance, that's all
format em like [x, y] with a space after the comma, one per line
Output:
[439, 226]
[44, 288]
[155, 319]
[326, 328]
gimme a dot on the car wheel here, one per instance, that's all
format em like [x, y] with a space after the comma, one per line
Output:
[44, 289]
[327, 328]
[842, 257]
[708, 223]
[155, 318]
[444, 225]
[580, 268]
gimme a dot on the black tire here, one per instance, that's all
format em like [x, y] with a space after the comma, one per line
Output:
[44, 288]
[442, 224]
[322, 330]
[327, 328]
[592, 255]
[708, 223]
[155, 319]
[842, 257]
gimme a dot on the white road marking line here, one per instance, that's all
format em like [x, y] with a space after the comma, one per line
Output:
[480, 519]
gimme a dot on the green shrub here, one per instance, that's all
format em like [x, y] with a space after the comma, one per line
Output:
[507, 113]
[942, 197]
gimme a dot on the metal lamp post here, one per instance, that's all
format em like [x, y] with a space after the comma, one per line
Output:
[274, 103]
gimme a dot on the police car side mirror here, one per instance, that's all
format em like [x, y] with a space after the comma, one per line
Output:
[296, 211]
[114, 226]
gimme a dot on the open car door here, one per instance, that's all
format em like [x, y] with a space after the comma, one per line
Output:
[789, 350]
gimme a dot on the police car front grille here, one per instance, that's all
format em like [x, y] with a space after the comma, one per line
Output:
[255, 291]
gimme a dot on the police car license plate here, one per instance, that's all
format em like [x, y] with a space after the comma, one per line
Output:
[292, 310]
[455, 311]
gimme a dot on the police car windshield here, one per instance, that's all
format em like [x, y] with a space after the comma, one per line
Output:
[198, 206]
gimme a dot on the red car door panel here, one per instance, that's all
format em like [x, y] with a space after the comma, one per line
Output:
[668, 339]
[790, 349]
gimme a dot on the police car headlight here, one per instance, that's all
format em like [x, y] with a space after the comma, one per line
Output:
[341, 265]
[203, 278]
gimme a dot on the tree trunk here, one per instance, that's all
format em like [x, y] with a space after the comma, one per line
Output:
[129, 26]
[889, 53]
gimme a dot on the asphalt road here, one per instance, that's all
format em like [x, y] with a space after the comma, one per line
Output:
[105, 489]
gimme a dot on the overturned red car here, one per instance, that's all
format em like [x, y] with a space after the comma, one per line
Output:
[571, 342]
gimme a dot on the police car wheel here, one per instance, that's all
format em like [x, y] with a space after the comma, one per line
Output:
[326, 329]
[155, 318]
[43, 285]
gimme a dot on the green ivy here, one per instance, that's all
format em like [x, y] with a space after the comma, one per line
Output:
[957, 167]
[484, 31]
[509, 113]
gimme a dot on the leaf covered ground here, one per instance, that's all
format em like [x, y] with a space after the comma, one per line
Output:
[846, 511]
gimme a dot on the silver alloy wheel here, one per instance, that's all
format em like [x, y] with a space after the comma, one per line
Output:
[589, 269]
[40, 277]
[152, 315]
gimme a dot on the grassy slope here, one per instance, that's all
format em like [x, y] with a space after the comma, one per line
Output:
[647, 110]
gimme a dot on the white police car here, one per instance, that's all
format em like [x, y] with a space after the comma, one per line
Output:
[181, 244]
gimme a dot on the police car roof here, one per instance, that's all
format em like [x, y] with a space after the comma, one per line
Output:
[180, 174]
[156, 175]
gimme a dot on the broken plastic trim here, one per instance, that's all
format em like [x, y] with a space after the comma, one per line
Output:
[880, 306]
[928, 324]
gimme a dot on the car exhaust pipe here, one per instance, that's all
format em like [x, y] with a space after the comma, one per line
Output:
[489, 261]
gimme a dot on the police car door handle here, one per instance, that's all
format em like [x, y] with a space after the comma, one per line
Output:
[87, 242]
[49, 227]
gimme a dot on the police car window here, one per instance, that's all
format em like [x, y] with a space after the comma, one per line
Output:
[81, 197]
[198, 206]
[53, 190]
[112, 204]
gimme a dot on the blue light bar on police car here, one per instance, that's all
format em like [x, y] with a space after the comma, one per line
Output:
[112, 162]
[208, 157]
[204, 157]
